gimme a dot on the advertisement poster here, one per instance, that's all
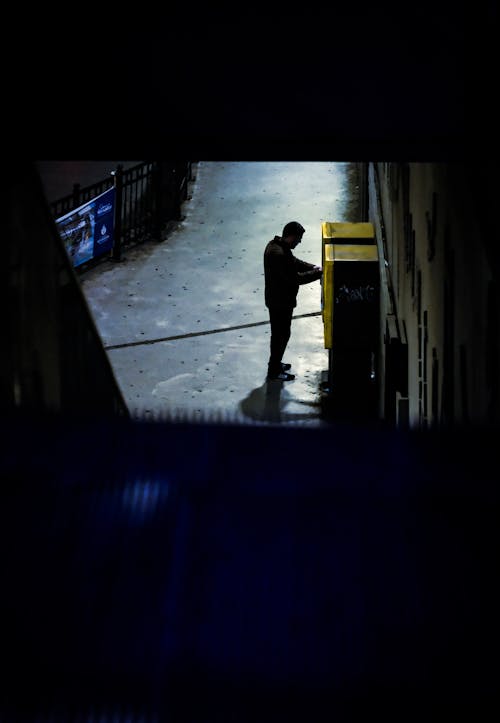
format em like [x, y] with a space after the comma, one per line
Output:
[87, 231]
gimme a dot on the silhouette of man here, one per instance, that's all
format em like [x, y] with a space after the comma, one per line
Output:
[283, 275]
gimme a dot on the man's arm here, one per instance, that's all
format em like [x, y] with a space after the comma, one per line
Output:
[307, 272]
[303, 265]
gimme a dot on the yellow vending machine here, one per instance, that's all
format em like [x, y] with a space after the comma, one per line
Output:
[350, 303]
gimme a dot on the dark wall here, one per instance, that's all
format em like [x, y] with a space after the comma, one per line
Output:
[54, 358]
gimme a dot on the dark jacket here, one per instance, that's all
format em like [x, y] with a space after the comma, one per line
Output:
[284, 273]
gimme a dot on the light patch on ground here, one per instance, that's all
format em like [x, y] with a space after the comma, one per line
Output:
[163, 389]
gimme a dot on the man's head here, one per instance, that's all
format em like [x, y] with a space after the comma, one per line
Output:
[292, 233]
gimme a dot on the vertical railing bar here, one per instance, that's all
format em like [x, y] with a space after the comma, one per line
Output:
[118, 183]
[130, 220]
[136, 188]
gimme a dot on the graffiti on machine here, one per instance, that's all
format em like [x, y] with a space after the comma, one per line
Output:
[354, 294]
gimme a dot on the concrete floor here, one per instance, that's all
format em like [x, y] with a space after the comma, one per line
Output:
[184, 320]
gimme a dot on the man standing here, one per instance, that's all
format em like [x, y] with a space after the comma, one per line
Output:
[283, 275]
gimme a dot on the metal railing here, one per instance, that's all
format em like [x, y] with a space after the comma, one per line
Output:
[148, 197]
[79, 196]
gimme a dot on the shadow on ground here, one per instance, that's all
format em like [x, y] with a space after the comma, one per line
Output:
[268, 403]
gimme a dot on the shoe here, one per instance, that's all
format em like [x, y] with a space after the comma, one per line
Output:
[281, 377]
[285, 367]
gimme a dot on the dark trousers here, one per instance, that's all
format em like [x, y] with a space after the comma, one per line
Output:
[281, 321]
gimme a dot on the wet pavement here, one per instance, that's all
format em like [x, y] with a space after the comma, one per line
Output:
[184, 321]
